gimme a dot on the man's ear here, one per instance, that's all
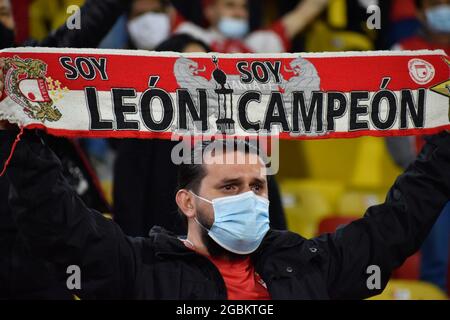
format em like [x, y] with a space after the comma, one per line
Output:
[186, 202]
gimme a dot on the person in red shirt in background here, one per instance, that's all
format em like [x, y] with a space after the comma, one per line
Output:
[229, 27]
[403, 22]
[434, 17]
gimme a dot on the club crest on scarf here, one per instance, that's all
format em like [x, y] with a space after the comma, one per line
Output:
[27, 85]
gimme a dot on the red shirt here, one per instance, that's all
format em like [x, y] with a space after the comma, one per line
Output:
[403, 9]
[241, 280]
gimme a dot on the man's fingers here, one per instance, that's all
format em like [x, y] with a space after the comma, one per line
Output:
[3, 124]
[2, 66]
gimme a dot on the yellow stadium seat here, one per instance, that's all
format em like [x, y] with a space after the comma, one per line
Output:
[328, 189]
[373, 168]
[299, 221]
[322, 37]
[307, 202]
[355, 203]
[360, 163]
[410, 290]
[107, 188]
[337, 13]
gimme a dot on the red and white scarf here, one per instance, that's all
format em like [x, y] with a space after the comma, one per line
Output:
[141, 94]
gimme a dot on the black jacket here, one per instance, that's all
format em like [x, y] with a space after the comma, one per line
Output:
[23, 276]
[60, 228]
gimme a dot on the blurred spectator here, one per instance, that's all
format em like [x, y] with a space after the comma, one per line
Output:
[117, 38]
[145, 25]
[22, 19]
[145, 177]
[193, 11]
[149, 23]
[404, 22]
[229, 27]
[403, 10]
[434, 16]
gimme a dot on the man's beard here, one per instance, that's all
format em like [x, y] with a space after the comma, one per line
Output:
[214, 249]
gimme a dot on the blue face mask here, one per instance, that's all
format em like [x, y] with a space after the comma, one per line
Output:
[438, 18]
[240, 221]
[233, 27]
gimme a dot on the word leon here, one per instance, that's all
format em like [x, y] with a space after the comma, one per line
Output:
[319, 112]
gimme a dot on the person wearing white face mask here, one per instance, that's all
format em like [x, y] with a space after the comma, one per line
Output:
[434, 16]
[149, 23]
[438, 18]
[229, 27]
[149, 30]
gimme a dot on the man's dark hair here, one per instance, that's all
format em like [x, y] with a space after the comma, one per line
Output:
[179, 42]
[190, 175]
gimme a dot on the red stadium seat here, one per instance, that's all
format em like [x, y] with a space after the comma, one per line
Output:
[330, 224]
[410, 269]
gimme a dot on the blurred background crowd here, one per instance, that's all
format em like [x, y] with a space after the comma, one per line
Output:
[321, 185]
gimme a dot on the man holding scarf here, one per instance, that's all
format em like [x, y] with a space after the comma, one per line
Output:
[229, 252]
[23, 276]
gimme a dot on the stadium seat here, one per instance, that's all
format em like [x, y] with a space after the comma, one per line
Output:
[410, 269]
[330, 224]
[410, 290]
[305, 213]
[306, 202]
[355, 203]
